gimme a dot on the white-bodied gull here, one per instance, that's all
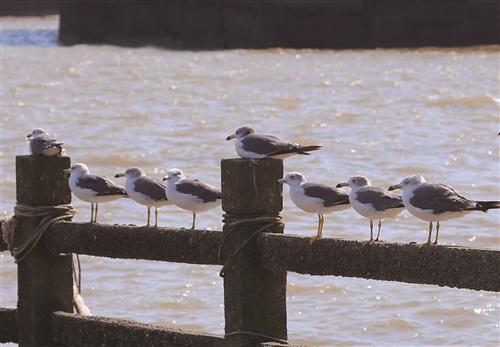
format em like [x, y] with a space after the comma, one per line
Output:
[192, 195]
[372, 202]
[250, 145]
[92, 188]
[41, 143]
[145, 190]
[315, 198]
[437, 202]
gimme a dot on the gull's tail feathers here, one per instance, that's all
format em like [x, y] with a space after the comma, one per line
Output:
[486, 205]
[304, 150]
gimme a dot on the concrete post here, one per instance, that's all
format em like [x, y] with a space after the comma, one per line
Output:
[254, 298]
[45, 282]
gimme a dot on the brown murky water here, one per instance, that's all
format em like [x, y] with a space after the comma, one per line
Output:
[382, 113]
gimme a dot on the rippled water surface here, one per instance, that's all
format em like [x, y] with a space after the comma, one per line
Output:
[382, 113]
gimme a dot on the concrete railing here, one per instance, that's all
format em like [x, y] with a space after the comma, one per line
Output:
[254, 281]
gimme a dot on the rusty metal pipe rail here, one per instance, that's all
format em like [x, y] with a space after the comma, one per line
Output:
[439, 265]
[448, 266]
[131, 242]
[75, 330]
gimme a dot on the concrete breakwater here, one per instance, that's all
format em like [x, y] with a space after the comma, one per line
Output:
[215, 24]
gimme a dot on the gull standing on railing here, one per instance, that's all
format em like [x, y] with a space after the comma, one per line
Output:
[250, 145]
[437, 202]
[192, 195]
[315, 198]
[145, 190]
[372, 202]
[92, 188]
[41, 143]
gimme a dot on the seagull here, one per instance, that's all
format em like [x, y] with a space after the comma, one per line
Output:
[92, 188]
[437, 202]
[372, 202]
[250, 145]
[41, 143]
[315, 198]
[145, 190]
[191, 195]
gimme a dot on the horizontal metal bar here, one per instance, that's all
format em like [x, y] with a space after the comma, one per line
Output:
[448, 266]
[75, 330]
[131, 242]
[8, 325]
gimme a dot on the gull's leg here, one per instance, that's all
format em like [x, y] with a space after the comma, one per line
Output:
[364, 243]
[430, 233]
[428, 238]
[437, 233]
[321, 226]
[91, 212]
[319, 233]
[194, 221]
[149, 216]
[379, 226]
[95, 214]
[156, 216]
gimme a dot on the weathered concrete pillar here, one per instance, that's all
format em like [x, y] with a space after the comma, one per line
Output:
[254, 298]
[45, 282]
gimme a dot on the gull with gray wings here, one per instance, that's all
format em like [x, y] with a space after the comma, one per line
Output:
[145, 190]
[41, 143]
[192, 195]
[250, 145]
[92, 188]
[433, 202]
[315, 198]
[372, 202]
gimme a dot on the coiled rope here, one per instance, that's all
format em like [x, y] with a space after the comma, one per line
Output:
[231, 224]
[49, 216]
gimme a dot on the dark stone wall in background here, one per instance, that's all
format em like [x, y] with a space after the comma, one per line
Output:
[212, 24]
[29, 7]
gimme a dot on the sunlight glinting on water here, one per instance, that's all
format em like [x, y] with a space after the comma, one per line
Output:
[381, 113]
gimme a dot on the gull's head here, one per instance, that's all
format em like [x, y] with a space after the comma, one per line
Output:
[293, 178]
[355, 182]
[408, 182]
[36, 132]
[78, 169]
[173, 175]
[240, 132]
[130, 173]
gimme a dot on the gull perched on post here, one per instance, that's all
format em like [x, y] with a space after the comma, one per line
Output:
[250, 145]
[41, 143]
[372, 202]
[191, 195]
[92, 188]
[145, 190]
[315, 198]
[437, 202]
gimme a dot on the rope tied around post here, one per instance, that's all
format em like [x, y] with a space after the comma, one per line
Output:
[49, 214]
[231, 223]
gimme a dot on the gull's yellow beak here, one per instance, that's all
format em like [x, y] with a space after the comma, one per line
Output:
[230, 137]
[121, 174]
[343, 184]
[67, 170]
[281, 181]
[395, 186]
